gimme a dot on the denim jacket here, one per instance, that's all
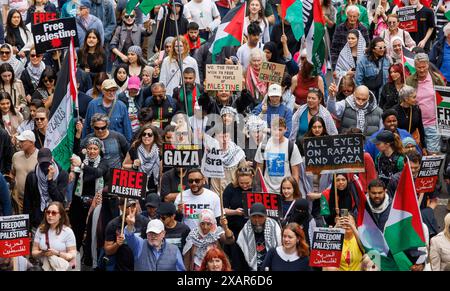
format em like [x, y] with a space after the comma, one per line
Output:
[367, 68]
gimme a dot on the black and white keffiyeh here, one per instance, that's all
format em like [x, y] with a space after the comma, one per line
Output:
[149, 161]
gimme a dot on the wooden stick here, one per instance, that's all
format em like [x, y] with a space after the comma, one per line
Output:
[242, 37]
[221, 198]
[16, 264]
[123, 215]
[336, 200]
[421, 198]
[59, 61]
[181, 186]
[282, 24]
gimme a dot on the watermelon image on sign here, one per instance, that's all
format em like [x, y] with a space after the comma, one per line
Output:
[56, 42]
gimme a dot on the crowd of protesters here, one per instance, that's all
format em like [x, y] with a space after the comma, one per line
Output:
[135, 94]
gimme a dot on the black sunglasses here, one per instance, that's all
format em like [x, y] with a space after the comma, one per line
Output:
[197, 181]
[149, 134]
[128, 16]
[5, 52]
[40, 118]
[100, 128]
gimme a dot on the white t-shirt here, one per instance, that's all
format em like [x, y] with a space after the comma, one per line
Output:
[277, 164]
[61, 242]
[243, 54]
[194, 204]
[202, 13]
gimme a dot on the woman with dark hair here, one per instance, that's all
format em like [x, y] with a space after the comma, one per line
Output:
[144, 156]
[290, 192]
[11, 118]
[89, 177]
[54, 242]
[301, 120]
[370, 69]
[7, 55]
[350, 54]
[32, 74]
[9, 83]
[272, 55]
[390, 159]
[215, 260]
[96, 90]
[305, 80]
[292, 255]
[120, 76]
[136, 62]
[46, 87]
[29, 123]
[255, 13]
[389, 94]
[91, 56]
[17, 34]
[41, 6]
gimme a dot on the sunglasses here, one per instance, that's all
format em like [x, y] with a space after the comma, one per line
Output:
[48, 81]
[129, 16]
[149, 134]
[5, 52]
[100, 128]
[35, 55]
[313, 89]
[392, 22]
[40, 118]
[380, 47]
[51, 212]
[182, 133]
[196, 181]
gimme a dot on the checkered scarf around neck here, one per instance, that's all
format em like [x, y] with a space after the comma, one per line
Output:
[246, 241]
[43, 184]
[35, 72]
[361, 113]
[345, 61]
[149, 161]
[99, 183]
[233, 155]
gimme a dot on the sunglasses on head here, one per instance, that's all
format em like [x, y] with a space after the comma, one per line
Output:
[245, 170]
[51, 212]
[100, 128]
[149, 134]
[196, 181]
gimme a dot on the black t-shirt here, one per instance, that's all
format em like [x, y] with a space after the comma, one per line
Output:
[170, 183]
[177, 235]
[113, 227]
[232, 199]
[261, 249]
[425, 20]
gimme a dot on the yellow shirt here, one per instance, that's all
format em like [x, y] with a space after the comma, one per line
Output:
[351, 256]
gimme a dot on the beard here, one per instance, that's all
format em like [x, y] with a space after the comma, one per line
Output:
[193, 39]
[375, 204]
[258, 228]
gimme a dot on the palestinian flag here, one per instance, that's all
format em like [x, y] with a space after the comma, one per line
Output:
[230, 31]
[446, 4]
[292, 11]
[403, 228]
[370, 235]
[408, 60]
[315, 31]
[259, 185]
[60, 133]
[144, 5]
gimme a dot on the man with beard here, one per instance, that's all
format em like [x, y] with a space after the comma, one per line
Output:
[259, 234]
[193, 90]
[390, 122]
[193, 38]
[164, 107]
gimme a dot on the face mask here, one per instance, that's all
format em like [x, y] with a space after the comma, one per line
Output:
[44, 167]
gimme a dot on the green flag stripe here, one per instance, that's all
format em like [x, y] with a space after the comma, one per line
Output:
[401, 236]
[229, 40]
[295, 17]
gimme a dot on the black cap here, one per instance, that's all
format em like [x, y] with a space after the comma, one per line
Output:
[44, 155]
[129, 201]
[301, 204]
[167, 208]
[258, 209]
[385, 136]
[152, 200]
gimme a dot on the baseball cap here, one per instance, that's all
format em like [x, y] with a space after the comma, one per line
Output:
[85, 3]
[152, 200]
[155, 226]
[167, 208]
[134, 83]
[26, 135]
[274, 90]
[129, 201]
[109, 84]
[385, 136]
[258, 209]
[44, 155]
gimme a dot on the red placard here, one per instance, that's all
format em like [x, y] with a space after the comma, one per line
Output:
[426, 184]
[271, 201]
[409, 26]
[40, 17]
[326, 247]
[127, 184]
[428, 174]
[15, 247]
[14, 236]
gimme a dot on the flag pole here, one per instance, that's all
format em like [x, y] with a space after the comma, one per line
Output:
[336, 201]
[180, 62]
[242, 37]
[403, 64]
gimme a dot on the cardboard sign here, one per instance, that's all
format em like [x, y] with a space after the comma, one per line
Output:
[271, 72]
[41, 17]
[14, 238]
[271, 201]
[443, 109]
[54, 34]
[212, 166]
[182, 156]
[127, 184]
[429, 173]
[407, 18]
[223, 77]
[326, 248]
[334, 154]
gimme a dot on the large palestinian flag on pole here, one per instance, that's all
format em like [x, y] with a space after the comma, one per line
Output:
[292, 11]
[314, 31]
[60, 133]
[403, 229]
[144, 5]
[230, 31]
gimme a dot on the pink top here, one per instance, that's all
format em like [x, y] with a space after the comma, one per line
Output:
[426, 100]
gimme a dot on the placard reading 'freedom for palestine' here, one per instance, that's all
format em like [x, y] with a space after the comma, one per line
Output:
[443, 109]
[127, 184]
[326, 247]
[223, 77]
[14, 238]
[271, 201]
[181, 155]
[54, 35]
[428, 173]
[407, 18]
[334, 154]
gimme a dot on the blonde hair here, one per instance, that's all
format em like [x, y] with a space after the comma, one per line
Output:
[447, 226]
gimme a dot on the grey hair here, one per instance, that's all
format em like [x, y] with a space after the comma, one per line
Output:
[168, 39]
[447, 29]
[421, 57]
[257, 52]
[405, 92]
[352, 8]
[99, 117]
[158, 84]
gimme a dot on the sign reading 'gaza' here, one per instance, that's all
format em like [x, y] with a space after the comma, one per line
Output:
[334, 153]
[54, 35]
[181, 155]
